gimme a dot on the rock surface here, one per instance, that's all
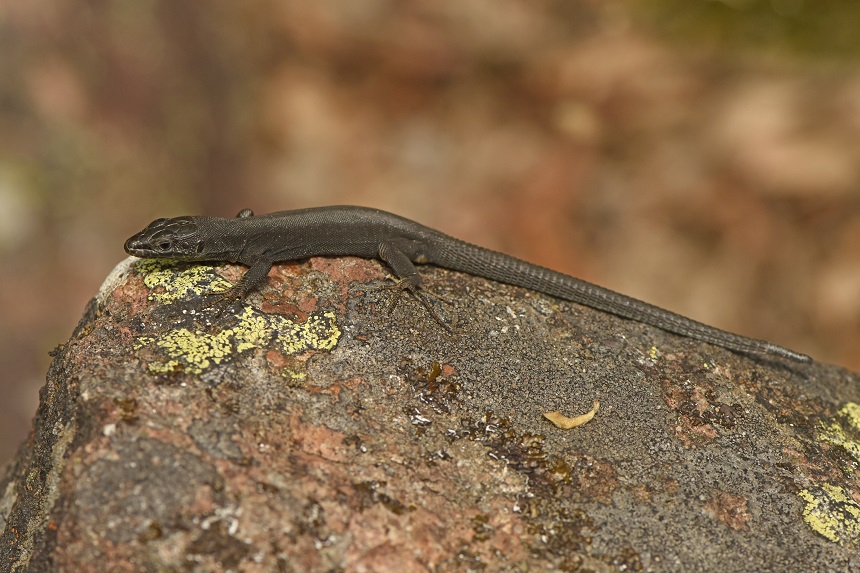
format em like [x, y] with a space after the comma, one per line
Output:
[311, 430]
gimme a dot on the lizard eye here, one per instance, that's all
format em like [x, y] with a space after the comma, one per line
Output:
[164, 246]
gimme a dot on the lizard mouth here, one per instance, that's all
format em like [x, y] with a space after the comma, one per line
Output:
[134, 246]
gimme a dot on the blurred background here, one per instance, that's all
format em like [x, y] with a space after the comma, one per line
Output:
[700, 155]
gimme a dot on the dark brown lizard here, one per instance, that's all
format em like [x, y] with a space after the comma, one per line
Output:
[261, 241]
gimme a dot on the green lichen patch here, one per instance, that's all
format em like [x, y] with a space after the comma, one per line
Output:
[830, 512]
[196, 351]
[844, 429]
[177, 281]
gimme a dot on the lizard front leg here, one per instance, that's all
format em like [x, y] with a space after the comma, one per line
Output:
[251, 279]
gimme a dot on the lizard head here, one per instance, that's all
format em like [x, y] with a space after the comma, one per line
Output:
[176, 239]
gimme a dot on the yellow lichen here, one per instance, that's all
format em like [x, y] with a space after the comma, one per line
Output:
[178, 282]
[844, 429]
[197, 351]
[294, 375]
[851, 413]
[829, 509]
[831, 513]
[142, 341]
[164, 367]
[319, 331]
[253, 331]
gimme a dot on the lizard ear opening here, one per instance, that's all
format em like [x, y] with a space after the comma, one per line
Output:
[199, 248]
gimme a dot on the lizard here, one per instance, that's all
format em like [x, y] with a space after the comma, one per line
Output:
[261, 241]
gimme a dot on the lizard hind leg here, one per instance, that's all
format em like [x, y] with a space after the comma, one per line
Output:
[421, 295]
[399, 254]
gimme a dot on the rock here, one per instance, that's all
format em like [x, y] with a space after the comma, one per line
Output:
[310, 430]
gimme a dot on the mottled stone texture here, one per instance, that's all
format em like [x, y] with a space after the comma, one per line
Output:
[311, 430]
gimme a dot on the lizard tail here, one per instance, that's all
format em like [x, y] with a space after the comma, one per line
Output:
[466, 257]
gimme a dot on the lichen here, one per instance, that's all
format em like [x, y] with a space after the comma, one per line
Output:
[830, 512]
[197, 351]
[844, 429]
[194, 351]
[178, 281]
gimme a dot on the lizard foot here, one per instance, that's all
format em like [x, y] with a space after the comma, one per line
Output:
[421, 296]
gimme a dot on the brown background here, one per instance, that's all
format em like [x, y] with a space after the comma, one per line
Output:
[702, 156]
